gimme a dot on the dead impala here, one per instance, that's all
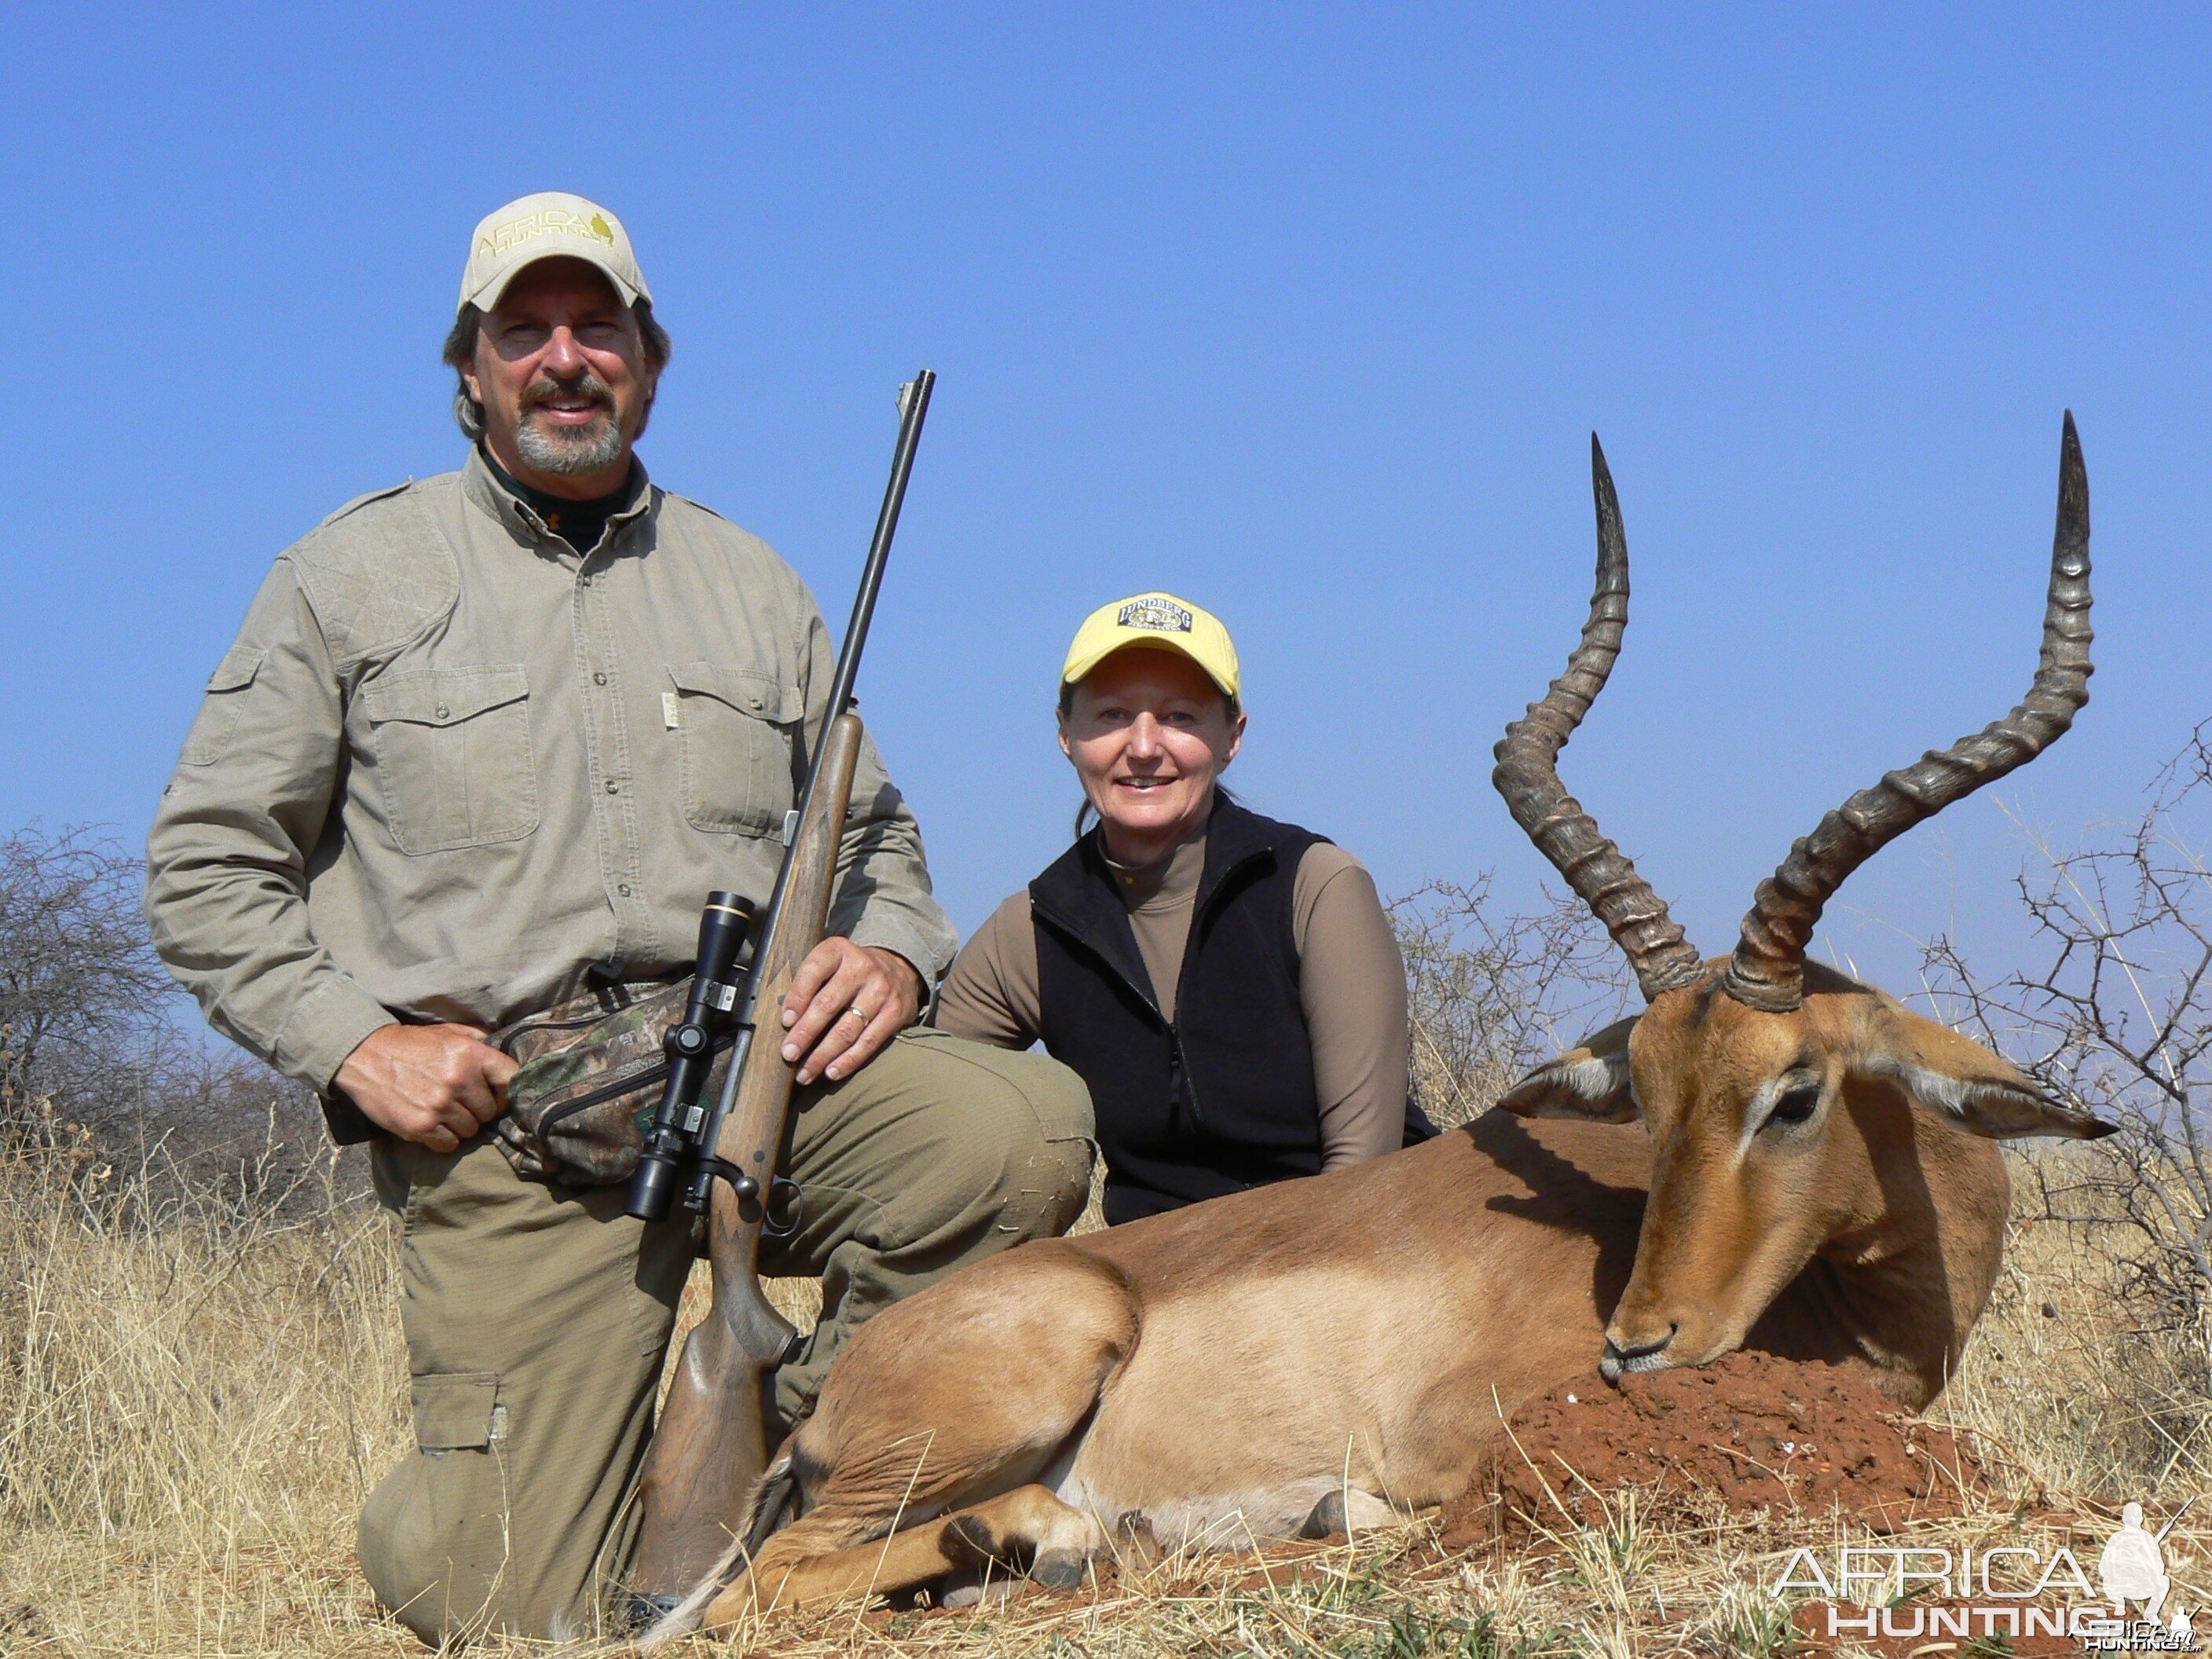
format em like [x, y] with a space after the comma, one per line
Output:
[1817, 1176]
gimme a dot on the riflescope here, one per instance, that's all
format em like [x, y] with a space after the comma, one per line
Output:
[673, 1138]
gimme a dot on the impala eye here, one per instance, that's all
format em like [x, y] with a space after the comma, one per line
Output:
[1796, 1104]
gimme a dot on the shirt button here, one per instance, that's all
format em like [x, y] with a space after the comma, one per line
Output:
[624, 890]
[613, 787]
[598, 679]
[444, 712]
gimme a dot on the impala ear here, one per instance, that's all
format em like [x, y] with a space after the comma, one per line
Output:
[1589, 1081]
[1987, 1095]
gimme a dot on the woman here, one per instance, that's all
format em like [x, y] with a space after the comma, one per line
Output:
[1227, 986]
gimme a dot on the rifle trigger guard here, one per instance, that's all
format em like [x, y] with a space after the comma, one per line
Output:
[784, 1222]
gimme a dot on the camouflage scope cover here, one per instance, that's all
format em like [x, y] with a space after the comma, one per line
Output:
[593, 1070]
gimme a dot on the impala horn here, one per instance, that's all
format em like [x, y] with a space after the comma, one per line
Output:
[1768, 970]
[1528, 775]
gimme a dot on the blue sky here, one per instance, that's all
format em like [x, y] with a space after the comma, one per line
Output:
[1304, 313]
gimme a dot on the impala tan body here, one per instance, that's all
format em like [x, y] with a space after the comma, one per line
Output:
[1770, 1155]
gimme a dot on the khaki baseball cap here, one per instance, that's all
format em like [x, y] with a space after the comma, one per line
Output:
[549, 225]
[1158, 622]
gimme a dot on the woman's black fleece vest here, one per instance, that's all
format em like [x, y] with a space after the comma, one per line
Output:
[1223, 1098]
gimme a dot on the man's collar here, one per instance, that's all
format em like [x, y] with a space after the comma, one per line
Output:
[482, 488]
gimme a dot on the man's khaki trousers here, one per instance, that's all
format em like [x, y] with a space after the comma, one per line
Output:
[537, 1316]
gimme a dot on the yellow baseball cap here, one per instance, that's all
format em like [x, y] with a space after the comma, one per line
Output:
[549, 225]
[1160, 622]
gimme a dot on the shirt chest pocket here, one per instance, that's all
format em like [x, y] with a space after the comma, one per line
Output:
[737, 729]
[452, 749]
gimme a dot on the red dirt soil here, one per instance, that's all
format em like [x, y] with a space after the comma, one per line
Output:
[1747, 1432]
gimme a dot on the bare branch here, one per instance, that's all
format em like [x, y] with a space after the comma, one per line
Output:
[1493, 995]
[2115, 1018]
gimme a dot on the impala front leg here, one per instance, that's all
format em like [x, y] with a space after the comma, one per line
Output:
[1027, 1530]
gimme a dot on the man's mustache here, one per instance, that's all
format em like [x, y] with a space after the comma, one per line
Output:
[545, 388]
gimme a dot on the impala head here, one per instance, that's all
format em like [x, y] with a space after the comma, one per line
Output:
[1792, 1111]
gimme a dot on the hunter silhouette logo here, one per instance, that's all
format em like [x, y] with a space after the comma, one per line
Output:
[2133, 1568]
[1161, 615]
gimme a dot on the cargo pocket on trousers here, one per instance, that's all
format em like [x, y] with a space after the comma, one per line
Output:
[458, 1411]
[737, 728]
[453, 756]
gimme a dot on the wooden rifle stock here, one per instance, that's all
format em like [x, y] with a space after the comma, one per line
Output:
[711, 1445]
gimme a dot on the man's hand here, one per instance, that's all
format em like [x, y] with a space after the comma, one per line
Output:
[433, 1084]
[847, 1001]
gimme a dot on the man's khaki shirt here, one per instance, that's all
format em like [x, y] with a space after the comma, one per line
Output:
[450, 764]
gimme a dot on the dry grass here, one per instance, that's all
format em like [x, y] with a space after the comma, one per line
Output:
[196, 1394]
[191, 1400]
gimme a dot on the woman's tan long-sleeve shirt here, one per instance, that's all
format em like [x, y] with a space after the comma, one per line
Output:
[1352, 984]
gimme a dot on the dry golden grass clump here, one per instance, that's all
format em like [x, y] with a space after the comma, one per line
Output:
[192, 1397]
[197, 1391]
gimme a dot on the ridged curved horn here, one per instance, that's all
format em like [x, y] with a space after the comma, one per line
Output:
[1528, 775]
[1768, 971]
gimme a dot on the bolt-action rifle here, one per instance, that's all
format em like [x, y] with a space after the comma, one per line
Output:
[711, 1446]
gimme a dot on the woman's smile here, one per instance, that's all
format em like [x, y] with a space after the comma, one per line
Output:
[1150, 733]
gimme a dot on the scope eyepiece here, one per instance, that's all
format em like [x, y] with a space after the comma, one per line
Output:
[653, 1187]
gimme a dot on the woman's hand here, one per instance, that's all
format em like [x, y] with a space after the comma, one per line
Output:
[846, 1003]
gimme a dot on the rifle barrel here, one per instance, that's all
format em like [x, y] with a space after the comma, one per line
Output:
[913, 409]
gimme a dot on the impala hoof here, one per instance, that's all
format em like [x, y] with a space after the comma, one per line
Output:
[1059, 1570]
[1135, 1539]
[973, 1590]
[1328, 1517]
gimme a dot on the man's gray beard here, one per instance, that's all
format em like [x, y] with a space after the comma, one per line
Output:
[568, 450]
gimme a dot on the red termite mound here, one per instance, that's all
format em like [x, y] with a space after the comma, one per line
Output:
[1750, 1431]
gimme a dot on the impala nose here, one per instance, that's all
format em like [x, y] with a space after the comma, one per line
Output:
[1634, 1356]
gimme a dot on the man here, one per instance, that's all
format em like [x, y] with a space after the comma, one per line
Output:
[483, 738]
